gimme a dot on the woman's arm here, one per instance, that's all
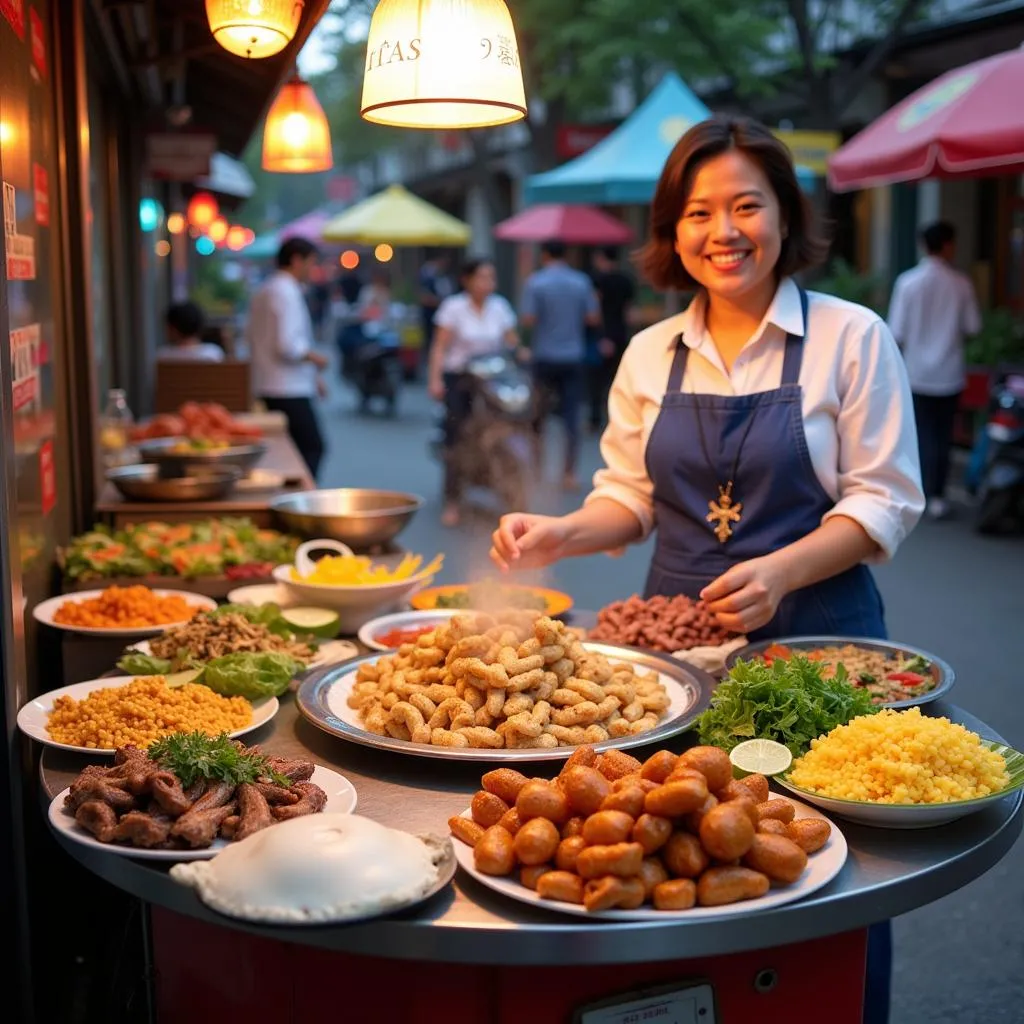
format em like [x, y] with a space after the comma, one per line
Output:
[512, 338]
[441, 344]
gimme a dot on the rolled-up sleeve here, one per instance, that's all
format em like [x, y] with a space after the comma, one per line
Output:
[624, 476]
[879, 480]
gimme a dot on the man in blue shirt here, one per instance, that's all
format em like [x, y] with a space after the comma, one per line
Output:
[559, 303]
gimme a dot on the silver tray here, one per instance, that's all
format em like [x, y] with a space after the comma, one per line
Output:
[690, 687]
[147, 483]
[942, 672]
[161, 452]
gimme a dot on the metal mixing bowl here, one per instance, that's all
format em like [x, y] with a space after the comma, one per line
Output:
[164, 452]
[358, 517]
[147, 483]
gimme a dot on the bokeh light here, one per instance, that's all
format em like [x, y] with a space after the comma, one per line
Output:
[176, 223]
[383, 252]
[205, 246]
[349, 259]
[163, 247]
[150, 212]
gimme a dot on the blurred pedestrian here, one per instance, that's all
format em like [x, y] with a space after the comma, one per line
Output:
[933, 309]
[184, 322]
[475, 322]
[375, 309]
[285, 363]
[616, 292]
[559, 303]
[348, 327]
[435, 285]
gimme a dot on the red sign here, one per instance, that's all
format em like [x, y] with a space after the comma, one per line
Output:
[38, 36]
[14, 12]
[47, 477]
[573, 139]
[41, 189]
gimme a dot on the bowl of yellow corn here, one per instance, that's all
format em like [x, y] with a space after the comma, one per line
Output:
[903, 769]
[357, 587]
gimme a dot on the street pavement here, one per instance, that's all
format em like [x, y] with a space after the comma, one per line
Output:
[949, 591]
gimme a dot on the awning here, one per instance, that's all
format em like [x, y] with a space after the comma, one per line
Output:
[624, 167]
[227, 177]
[397, 217]
[574, 225]
[965, 124]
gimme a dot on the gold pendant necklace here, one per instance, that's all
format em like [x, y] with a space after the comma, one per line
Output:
[724, 512]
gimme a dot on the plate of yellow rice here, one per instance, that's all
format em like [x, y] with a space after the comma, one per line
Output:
[903, 769]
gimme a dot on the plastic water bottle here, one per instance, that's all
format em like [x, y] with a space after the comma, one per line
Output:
[115, 430]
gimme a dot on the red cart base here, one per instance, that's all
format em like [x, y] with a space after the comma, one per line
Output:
[206, 975]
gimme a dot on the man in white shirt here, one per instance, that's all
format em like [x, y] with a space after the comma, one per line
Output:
[184, 322]
[285, 365]
[933, 309]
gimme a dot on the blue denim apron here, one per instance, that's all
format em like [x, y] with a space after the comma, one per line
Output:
[783, 500]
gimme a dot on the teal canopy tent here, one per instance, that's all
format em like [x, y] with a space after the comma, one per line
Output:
[624, 167]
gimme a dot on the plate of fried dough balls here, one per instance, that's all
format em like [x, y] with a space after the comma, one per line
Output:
[617, 838]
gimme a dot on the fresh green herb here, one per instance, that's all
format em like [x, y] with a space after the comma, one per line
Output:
[251, 675]
[193, 756]
[917, 664]
[787, 701]
[867, 677]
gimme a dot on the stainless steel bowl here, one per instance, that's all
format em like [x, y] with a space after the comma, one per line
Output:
[147, 483]
[164, 453]
[358, 517]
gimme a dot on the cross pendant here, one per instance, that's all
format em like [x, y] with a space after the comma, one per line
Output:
[724, 512]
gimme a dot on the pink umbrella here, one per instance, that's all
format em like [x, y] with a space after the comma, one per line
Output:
[309, 225]
[572, 224]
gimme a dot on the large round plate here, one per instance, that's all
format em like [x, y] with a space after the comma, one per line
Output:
[821, 868]
[915, 815]
[341, 799]
[402, 620]
[323, 699]
[941, 671]
[328, 652]
[45, 611]
[33, 716]
[557, 602]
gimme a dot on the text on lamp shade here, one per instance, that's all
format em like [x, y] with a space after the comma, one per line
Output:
[500, 48]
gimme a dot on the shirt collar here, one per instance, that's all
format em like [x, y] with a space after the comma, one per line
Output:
[785, 313]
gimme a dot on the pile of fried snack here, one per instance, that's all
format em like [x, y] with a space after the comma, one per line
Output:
[611, 832]
[136, 802]
[512, 680]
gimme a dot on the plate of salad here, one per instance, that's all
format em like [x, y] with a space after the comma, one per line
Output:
[894, 675]
[243, 650]
[233, 547]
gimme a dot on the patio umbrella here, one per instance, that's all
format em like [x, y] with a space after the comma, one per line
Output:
[397, 217]
[574, 225]
[965, 124]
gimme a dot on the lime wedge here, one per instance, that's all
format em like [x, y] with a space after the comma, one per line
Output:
[190, 675]
[321, 622]
[761, 757]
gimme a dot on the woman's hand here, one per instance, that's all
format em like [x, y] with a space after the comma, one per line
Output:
[524, 541]
[746, 597]
[436, 389]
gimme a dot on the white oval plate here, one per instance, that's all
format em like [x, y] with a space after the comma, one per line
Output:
[323, 699]
[33, 716]
[822, 867]
[330, 652]
[341, 799]
[262, 593]
[402, 620]
[45, 611]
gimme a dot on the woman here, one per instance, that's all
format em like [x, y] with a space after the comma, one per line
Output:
[474, 322]
[766, 432]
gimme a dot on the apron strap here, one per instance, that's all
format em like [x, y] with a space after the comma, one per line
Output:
[794, 348]
[675, 375]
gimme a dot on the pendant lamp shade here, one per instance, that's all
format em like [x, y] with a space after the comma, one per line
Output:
[296, 136]
[254, 28]
[442, 64]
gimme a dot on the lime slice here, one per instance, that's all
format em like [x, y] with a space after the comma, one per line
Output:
[763, 757]
[321, 622]
[190, 675]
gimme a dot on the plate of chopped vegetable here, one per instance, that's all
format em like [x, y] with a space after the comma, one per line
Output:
[894, 675]
[492, 596]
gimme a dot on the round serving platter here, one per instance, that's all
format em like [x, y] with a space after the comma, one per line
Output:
[322, 699]
[942, 672]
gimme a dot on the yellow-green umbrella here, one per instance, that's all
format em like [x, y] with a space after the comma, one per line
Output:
[397, 217]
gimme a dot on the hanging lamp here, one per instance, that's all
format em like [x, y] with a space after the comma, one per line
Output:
[254, 28]
[296, 136]
[202, 211]
[442, 64]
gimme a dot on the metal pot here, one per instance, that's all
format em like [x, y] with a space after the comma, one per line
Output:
[359, 517]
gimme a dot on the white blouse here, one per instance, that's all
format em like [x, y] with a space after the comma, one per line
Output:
[857, 409]
[475, 331]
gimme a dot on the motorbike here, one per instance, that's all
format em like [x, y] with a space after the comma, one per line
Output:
[495, 449]
[373, 367]
[1001, 485]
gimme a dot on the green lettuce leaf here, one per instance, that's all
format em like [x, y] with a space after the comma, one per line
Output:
[135, 663]
[251, 675]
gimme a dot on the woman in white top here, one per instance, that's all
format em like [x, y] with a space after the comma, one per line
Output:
[474, 322]
[766, 433]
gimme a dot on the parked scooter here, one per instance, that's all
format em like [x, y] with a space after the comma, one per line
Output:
[374, 369]
[1001, 487]
[496, 444]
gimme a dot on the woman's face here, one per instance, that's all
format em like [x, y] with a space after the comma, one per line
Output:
[729, 235]
[482, 281]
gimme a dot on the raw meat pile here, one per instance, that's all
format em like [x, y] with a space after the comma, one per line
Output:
[659, 623]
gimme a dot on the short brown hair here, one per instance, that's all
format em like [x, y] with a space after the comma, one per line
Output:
[803, 245]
